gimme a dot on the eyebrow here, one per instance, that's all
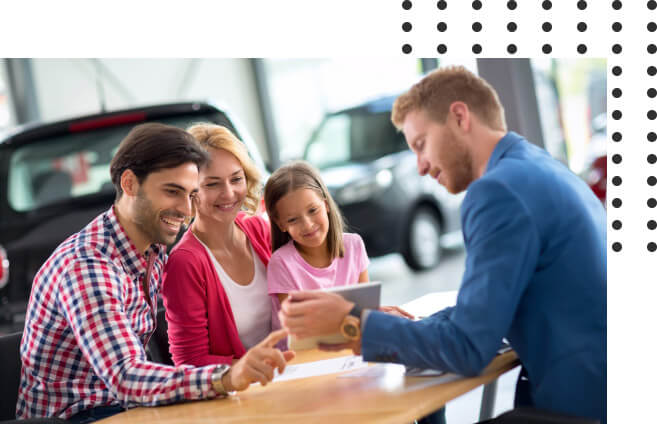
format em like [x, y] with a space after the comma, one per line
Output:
[179, 187]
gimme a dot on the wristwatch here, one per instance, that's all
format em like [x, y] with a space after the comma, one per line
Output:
[350, 327]
[217, 374]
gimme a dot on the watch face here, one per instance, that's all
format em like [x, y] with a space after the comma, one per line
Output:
[351, 331]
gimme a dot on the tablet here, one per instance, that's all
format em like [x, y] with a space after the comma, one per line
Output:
[365, 295]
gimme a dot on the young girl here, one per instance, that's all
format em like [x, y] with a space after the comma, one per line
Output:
[309, 249]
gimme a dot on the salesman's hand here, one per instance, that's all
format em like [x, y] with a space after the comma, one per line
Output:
[258, 364]
[306, 314]
[355, 346]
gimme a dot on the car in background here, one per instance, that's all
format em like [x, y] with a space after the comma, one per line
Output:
[372, 175]
[54, 179]
[595, 171]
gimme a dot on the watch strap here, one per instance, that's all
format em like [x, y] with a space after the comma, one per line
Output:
[217, 375]
[356, 311]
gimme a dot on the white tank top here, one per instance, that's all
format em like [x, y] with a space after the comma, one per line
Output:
[251, 304]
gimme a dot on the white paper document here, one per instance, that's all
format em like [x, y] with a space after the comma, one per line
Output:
[326, 366]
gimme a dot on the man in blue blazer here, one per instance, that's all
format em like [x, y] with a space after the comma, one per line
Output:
[536, 261]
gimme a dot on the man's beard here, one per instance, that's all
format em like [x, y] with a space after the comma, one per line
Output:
[458, 165]
[148, 220]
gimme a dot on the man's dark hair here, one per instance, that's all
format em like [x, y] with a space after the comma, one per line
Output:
[151, 147]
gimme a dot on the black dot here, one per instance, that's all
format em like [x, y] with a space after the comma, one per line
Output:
[406, 48]
[617, 114]
[511, 26]
[442, 5]
[616, 48]
[616, 92]
[652, 224]
[652, 136]
[406, 26]
[547, 48]
[442, 26]
[547, 5]
[651, 180]
[511, 5]
[617, 203]
[652, 49]
[617, 181]
[406, 4]
[651, 93]
[652, 246]
[581, 5]
[476, 27]
[617, 70]
[476, 5]
[652, 4]
[441, 48]
[617, 136]
[581, 49]
[476, 48]
[617, 225]
[652, 202]
[652, 71]
[652, 27]
[617, 26]
[581, 26]
[652, 115]
[617, 247]
[511, 48]
[651, 159]
[617, 158]
[617, 5]
[547, 27]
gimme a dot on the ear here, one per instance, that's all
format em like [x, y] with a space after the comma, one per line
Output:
[129, 183]
[460, 113]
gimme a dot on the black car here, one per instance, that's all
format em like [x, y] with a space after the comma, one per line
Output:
[373, 177]
[55, 179]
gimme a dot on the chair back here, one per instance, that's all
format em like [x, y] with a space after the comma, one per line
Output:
[158, 345]
[10, 374]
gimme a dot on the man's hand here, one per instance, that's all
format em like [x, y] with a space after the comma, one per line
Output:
[397, 311]
[258, 364]
[306, 314]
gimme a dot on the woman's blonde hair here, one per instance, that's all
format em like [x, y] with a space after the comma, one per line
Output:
[294, 176]
[212, 136]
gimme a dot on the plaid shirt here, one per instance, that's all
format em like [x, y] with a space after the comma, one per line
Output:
[86, 327]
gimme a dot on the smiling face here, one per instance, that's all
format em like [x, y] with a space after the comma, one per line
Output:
[163, 202]
[222, 187]
[303, 214]
[439, 151]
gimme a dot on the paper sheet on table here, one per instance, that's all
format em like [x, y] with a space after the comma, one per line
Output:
[326, 366]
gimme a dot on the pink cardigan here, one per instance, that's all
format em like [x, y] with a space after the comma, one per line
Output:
[202, 328]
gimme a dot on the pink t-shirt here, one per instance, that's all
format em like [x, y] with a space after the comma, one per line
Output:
[288, 271]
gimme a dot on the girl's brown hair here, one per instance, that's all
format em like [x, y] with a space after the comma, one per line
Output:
[294, 176]
[211, 136]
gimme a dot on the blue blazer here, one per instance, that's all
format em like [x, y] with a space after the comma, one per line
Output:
[535, 273]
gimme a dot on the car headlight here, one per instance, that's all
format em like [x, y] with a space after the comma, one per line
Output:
[366, 188]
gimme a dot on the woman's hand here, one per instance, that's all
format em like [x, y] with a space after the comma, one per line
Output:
[397, 311]
[258, 364]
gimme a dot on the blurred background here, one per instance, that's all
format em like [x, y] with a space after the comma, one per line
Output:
[334, 113]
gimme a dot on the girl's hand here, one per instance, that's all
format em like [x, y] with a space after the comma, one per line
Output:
[397, 311]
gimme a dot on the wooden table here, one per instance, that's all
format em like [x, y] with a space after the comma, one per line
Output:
[387, 398]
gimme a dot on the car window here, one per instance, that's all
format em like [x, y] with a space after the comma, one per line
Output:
[353, 137]
[56, 169]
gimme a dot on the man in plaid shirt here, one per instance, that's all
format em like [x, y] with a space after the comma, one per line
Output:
[93, 303]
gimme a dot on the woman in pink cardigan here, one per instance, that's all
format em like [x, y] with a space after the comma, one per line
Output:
[215, 281]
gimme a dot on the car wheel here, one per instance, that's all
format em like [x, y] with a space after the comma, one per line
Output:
[422, 250]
